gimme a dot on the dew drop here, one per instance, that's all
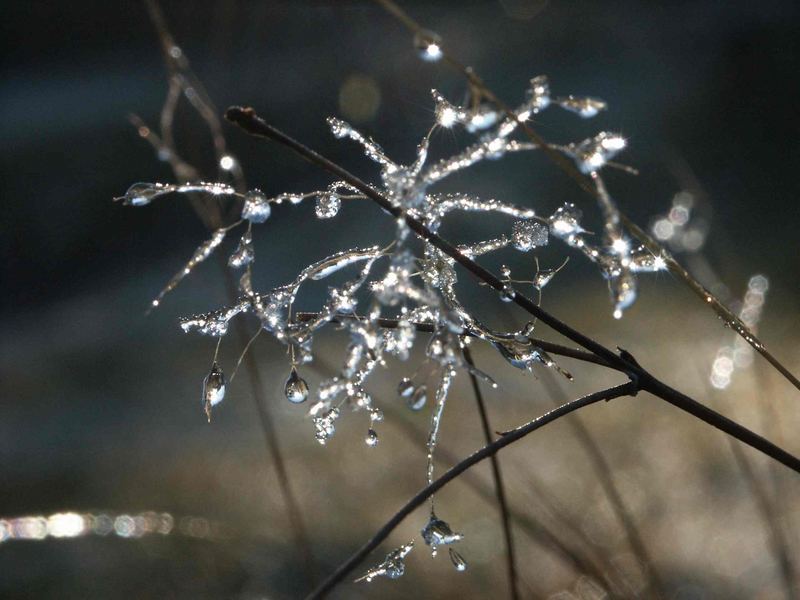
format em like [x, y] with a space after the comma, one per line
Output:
[328, 204]
[296, 388]
[428, 45]
[527, 235]
[372, 438]
[256, 207]
[508, 294]
[458, 561]
[584, 107]
[140, 194]
[405, 389]
[213, 389]
[418, 399]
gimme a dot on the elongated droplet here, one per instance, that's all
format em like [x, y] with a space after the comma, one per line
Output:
[142, 193]
[585, 107]
[458, 561]
[438, 533]
[372, 438]
[296, 388]
[418, 398]
[213, 389]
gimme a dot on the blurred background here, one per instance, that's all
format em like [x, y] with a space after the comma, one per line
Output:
[101, 410]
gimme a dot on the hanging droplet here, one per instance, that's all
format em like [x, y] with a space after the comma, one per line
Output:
[428, 45]
[592, 154]
[418, 398]
[372, 438]
[244, 253]
[528, 235]
[256, 208]
[142, 193]
[458, 561]
[508, 294]
[405, 389]
[296, 388]
[328, 204]
[438, 533]
[213, 389]
[584, 107]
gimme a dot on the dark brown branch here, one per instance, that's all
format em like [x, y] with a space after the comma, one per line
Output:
[247, 119]
[512, 436]
[499, 488]
[563, 163]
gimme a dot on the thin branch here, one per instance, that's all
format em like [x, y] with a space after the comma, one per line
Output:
[497, 476]
[549, 347]
[563, 163]
[512, 436]
[247, 119]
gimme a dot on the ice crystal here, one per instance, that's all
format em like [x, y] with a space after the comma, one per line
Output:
[393, 566]
[528, 235]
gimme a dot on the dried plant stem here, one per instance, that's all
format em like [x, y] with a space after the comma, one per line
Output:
[563, 163]
[506, 439]
[603, 471]
[499, 488]
[247, 119]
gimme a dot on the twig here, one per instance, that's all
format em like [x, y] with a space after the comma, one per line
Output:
[247, 119]
[508, 438]
[497, 476]
[563, 163]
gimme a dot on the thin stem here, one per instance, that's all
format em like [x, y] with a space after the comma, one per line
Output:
[563, 163]
[247, 119]
[346, 568]
[497, 476]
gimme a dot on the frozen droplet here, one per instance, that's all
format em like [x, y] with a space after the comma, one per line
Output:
[244, 253]
[372, 438]
[428, 44]
[339, 128]
[565, 221]
[256, 208]
[458, 561]
[543, 277]
[142, 193]
[213, 389]
[328, 204]
[592, 154]
[438, 533]
[325, 425]
[508, 294]
[392, 566]
[505, 271]
[446, 113]
[296, 388]
[585, 107]
[405, 389]
[418, 398]
[539, 93]
[528, 235]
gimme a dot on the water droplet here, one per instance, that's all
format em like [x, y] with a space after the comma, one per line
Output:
[256, 208]
[244, 253]
[328, 204]
[508, 294]
[584, 107]
[405, 389]
[458, 561]
[528, 235]
[418, 399]
[142, 193]
[213, 389]
[296, 388]
[438, 533]
[372, 438]
[428, 45]
[392, 566]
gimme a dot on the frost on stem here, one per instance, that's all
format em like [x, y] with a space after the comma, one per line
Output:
[409, 280]
[393, 566]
